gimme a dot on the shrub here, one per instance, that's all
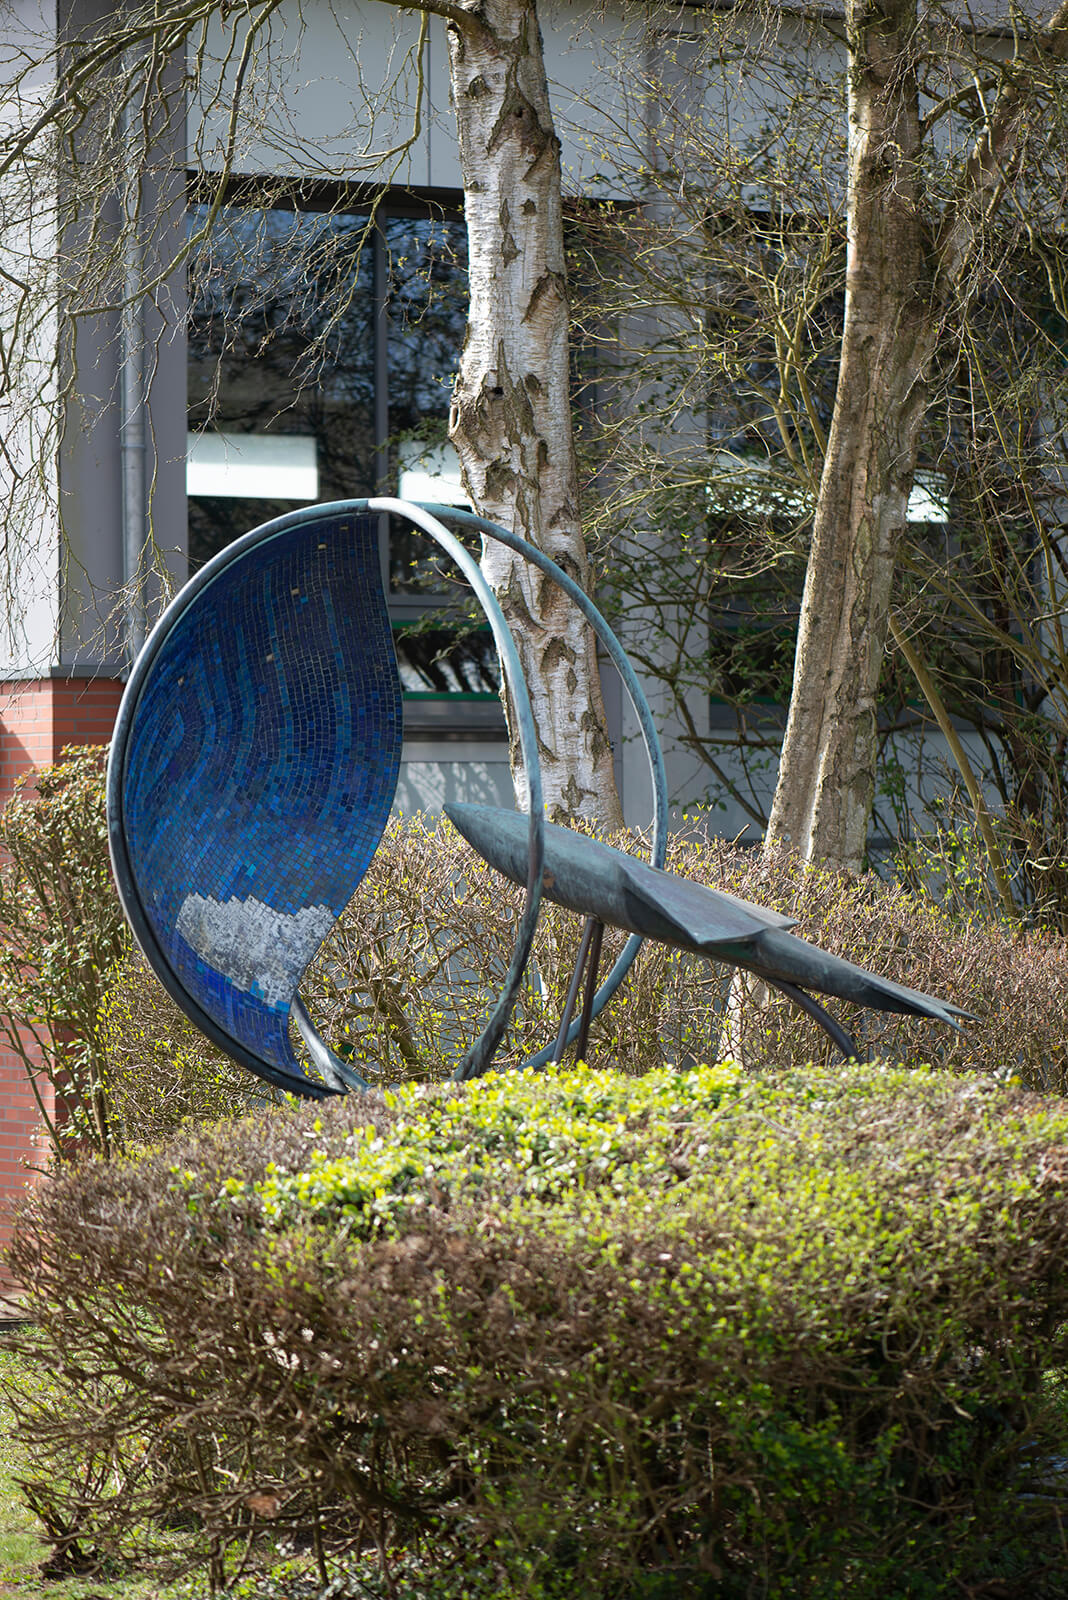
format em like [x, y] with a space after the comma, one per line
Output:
[421, 951]
[696, 1333]
[81, 1008]
[161, 1070]
[418, 957]
[61, 936]
[1013, 979]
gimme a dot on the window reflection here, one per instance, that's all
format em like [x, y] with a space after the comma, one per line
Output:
[342, 330]
[427, 316]
[283, 311]
[281, 341]
[436, 661]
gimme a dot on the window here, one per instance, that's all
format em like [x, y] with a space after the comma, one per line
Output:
[324, 336]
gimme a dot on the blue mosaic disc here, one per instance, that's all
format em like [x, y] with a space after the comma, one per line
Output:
[259, 757]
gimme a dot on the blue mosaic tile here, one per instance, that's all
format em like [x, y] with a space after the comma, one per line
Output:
[262, 761]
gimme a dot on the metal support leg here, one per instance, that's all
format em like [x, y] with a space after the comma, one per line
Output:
[838, 1036]
[591, 932]
[593, 962]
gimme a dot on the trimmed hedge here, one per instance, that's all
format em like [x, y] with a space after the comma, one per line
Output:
[79, 1006]
[407, 978]
[61, 937]
[575, 1335]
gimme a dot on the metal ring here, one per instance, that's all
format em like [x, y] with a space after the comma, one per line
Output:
[636, 695]
[480, 1055]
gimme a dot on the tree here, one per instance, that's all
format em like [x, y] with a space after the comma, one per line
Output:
[910, 267]
[826, 290]
[109, 100]
[511, 413]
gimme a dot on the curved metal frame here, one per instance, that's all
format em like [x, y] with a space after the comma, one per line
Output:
[126, 883]
[821, 1016]
[614, 650]
[478, 1058]
[426, 517]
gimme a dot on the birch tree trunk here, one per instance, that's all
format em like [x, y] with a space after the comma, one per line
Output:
[825, 790]
[900, 282]
[511, 408]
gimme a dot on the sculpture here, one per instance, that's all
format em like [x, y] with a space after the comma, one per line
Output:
[610, 887]
[252, 772]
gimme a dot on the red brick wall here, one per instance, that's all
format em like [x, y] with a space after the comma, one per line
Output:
[19, 1123]
[38, 719]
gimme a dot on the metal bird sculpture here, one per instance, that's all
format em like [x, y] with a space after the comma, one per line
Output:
[616, 889]
[253, 769]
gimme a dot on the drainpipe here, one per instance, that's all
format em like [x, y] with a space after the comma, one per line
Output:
[133, 432]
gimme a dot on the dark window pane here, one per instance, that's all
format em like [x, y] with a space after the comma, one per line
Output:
[281, 341]
[440, 661]
[419, 567]
[427, 266]
[216, 521]
[282, 344]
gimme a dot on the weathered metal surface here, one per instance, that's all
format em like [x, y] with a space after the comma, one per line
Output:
[254, 765]
[252, 772]
[588, 876]
[253, 768]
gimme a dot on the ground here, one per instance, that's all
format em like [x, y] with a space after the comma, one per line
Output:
[21, 1546]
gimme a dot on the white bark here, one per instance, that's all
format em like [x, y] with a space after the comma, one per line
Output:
[511, 411]
[823, 798]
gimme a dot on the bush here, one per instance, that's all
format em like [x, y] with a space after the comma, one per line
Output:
[161, 1070]
[61, 936]
[415, 962]
[693, 1334]
[408, 976]
[1013, 979]
[81, 1008]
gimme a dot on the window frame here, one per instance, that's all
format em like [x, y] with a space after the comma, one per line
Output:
[428, 714]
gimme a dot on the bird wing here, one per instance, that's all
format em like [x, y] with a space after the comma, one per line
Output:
[594, 878]
[774, 954]
[600, 881]
[699, 918]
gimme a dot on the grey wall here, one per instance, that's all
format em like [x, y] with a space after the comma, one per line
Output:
[333, 88]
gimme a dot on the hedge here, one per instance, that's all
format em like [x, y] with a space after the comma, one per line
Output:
[406, 980]
[577, 1334]
[108, 1055]
[407, 977]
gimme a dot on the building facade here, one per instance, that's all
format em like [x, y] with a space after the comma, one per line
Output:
[298, 344]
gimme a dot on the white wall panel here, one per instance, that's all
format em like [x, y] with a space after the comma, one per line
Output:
[29, 610]
[332, 92]
[432, 774]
